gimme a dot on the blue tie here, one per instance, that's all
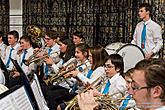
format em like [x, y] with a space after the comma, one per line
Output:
[107, 86]
[89, 73]
[143, 38]
[47, 68]
[8, 61]
[23, 57]
[125, 103]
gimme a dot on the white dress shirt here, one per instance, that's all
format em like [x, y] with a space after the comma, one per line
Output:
[118, 86]
[3, 50]
[154, 39]
[97, 73]
[55, 48]
[13, 55]
[27, 69]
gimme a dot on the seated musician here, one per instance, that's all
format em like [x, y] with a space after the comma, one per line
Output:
[78, 37]
[97, 56]
[128, 103]
[54, 93]
[25, 51]
[52, 49]
[11, 50]
[115, 83]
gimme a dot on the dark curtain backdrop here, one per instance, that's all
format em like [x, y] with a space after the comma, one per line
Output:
[4, 16]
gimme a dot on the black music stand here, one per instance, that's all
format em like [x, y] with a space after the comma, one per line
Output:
[26, 83]
[5, 72]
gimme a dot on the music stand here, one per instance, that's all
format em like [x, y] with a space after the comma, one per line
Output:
[26, 83]
[16, 98]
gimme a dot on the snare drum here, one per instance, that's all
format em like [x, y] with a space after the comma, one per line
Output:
[131, 54]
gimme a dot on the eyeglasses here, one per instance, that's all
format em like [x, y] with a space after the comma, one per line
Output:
[108, 66]
[135, 88]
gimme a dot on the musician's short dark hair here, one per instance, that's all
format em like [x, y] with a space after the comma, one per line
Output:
[154, 72]
[147, 7]
[27, 39]
[52, 34]
[14, 33]
[117, 60]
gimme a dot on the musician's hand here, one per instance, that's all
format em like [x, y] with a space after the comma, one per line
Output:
[67, 75]
[86, 101]
[74, 73]
[20, 49]
[15, 74]
[96, 92]
[49, 60]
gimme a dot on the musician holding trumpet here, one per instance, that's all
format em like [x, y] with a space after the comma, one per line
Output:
[54, 93]
[115, 85]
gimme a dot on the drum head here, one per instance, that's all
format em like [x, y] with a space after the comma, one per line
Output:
[131, 54]
[111, 48]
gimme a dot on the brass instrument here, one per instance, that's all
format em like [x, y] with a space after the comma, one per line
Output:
[55, 77]
[72, 104]
[35, 33]
[32, 58]
[106, 102]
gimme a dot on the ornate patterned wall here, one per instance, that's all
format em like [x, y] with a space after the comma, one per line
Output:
[102, 21]
[4, 16]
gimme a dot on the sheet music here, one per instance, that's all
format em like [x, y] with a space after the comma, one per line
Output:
[38, 96]
[17, 100]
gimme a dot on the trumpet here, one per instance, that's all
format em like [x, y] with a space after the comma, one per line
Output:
[31, 59]
[56, 77]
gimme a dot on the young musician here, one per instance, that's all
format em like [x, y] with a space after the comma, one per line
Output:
[128, 102]
[26, 50]
[67, 51]
[78, 38]
[115, 83]
[11, 50]
[148, 35]
[97, 56]
[52, 49]
[56, 93]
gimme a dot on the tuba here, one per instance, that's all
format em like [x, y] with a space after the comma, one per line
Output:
[35, 33]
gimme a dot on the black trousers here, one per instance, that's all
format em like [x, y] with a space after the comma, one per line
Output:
[56, 95]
